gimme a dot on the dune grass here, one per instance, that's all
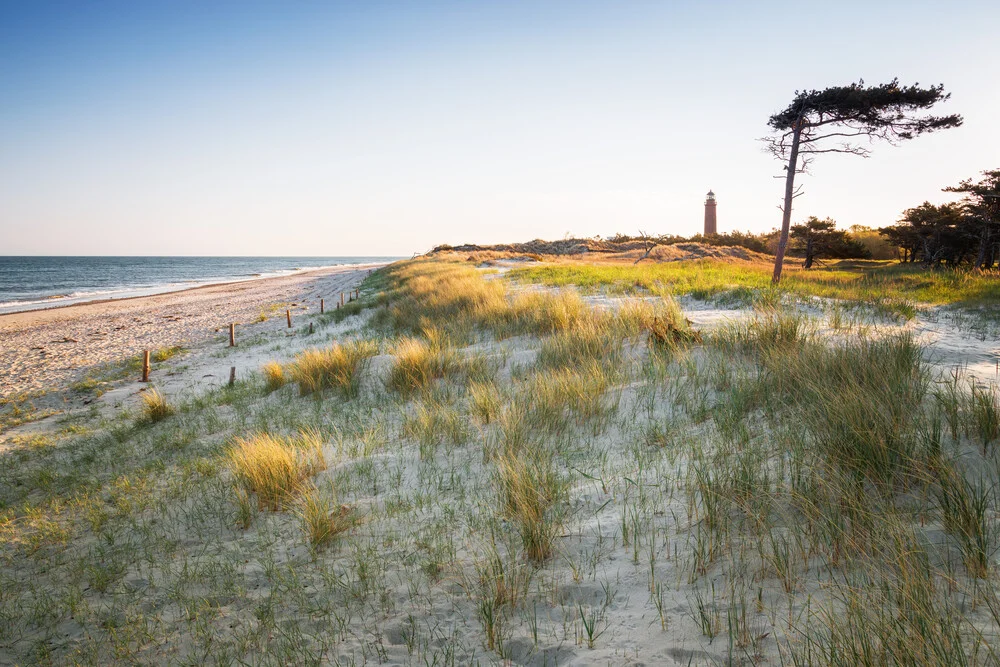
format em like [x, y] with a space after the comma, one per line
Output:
[274, 376]
[485, 401]
[155, 406]
[887, 284]
[272, 468]
[336, 367]
[530, 490]
[165, 353]
[544, 481]
[417, 363]
[594, 340]
[966, 506]
[553, 394]
[455, 298]
[858, 402]
[21, 408]
[322, 517]
[434, 422]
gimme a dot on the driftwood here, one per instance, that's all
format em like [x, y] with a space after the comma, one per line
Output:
[649, 245]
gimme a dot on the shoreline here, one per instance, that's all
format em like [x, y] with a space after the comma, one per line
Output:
[185, 290]
[50, 349]
[86, 301]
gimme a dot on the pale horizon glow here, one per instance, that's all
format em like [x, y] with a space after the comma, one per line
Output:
[332, 129]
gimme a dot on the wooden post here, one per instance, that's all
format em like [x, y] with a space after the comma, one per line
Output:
[288, 316]
[232, 334]
[232, 375]
[341, 298]
[310, 327]
[145, 365]
[321, 306]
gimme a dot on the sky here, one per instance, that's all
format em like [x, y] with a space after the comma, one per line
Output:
[386, 128]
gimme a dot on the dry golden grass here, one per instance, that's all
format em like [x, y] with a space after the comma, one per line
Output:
[544, 312]
[273, 468]
[274, 376]
[155, 406]
[418, 362]
[457, 298]
[334, 367]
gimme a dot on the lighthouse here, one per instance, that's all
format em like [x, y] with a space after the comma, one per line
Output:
[710, 226]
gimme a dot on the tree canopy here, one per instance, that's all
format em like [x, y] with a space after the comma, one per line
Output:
[954, 233]
[817, 238]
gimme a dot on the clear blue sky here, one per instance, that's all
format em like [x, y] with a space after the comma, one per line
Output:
[386, 128]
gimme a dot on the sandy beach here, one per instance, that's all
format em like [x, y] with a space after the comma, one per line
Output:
[45, 350]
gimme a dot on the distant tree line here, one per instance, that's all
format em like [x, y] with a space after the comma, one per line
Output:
[953, 234]
[811, 240]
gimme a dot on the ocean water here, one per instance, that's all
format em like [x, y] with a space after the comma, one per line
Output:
[27, 283]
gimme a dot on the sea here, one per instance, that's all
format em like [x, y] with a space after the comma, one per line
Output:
[29, 283]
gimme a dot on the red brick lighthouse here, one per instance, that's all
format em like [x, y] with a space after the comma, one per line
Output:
[710, 226]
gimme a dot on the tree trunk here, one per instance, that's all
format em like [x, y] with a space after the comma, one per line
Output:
[810, 252]
[984, 243]
[786, 211]
[928, 255]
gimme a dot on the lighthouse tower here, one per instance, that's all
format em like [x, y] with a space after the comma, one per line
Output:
[710, 226]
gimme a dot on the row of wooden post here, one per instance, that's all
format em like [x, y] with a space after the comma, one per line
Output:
[354, 294]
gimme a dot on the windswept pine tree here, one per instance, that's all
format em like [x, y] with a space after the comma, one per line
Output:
[846, 114]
